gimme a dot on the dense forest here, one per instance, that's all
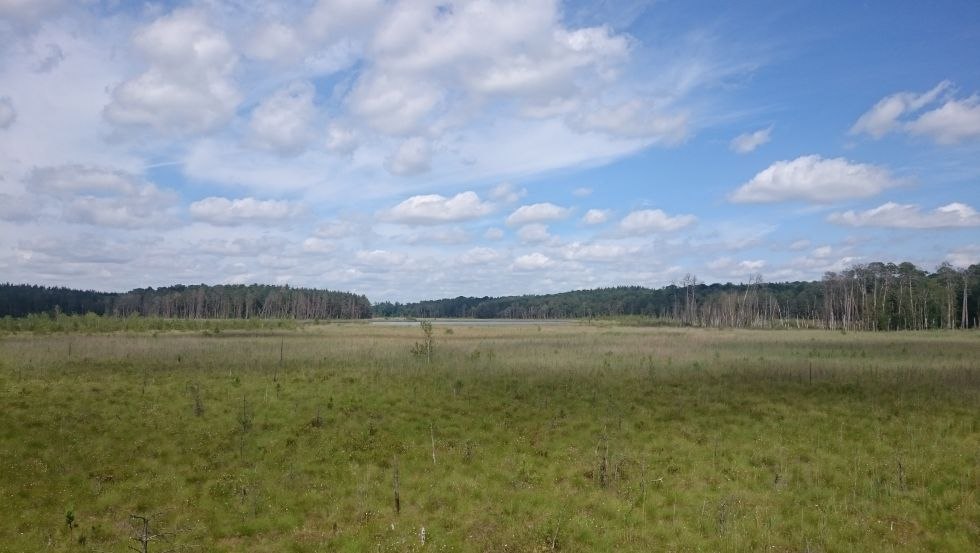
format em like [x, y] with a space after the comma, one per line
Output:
[876, 296]
[188, 302]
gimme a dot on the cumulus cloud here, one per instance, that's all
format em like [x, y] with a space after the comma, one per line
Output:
[798, 245]
[433, 209]
[533, 233]
[82, 248]
[281, 123]
[449, 235]
[537, 213]
[188, 86]
[7, 113]
[242, 211]
[339, 229]
[493, 233]
[953, 122]
[411, 158]
[480, 256]
[814, 179]
[240, 246]
[728, 266]
[379, 259]
[964, 256]
[532, 262]
[433, 67]
[748, 142]
[507, 193]
[102, 196]
[318, 245]
[949, 121]
[341, 140]
[393, 104]
[646, 221]
[275, 41]
[596, 216]
[822, 252]
[578, 251]
[894, 215]
[333, 20]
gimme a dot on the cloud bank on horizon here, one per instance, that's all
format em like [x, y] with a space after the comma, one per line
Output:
[411, 149]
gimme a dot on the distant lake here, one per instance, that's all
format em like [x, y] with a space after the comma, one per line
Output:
[475, 322]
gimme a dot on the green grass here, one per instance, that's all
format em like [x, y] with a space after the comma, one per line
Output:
[584, 438]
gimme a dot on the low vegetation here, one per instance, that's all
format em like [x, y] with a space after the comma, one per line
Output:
[500, 438]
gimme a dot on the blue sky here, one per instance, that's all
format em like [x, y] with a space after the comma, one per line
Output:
[415, 149]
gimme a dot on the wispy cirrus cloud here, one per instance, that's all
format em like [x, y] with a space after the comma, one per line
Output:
[894, 215]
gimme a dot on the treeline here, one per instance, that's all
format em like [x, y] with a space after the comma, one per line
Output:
[876, 296]
[187, 302]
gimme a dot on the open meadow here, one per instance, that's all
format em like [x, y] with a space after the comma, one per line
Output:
[575, 437]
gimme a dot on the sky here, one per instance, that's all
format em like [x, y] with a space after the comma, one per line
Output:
[414, 149]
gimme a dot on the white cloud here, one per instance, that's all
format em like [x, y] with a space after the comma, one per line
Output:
[430, 236]
[223, 211]
[893, 215]
[950, 122]
[275, 41]
[953, 122]
[728, 266]
[647, 221]
[883, 117]
[29, 12]
[515, 48]
[332, 20]
[102, 196]
[965, 256]
[634, 119]
[338, 229]
[433, 209]
[507, 193]
[533, 233]
[493, 233]
[7, 113]
[596, 216]
[380, 259]
[480, 256]
[188, 86]
[536, 213]
[18, 208]
[392, 104]
[822, 252]
[411, 158]
[532, 262]
[341, 140]
[748, 142]
[318, 245]
[582, 192]
[53, 56]
[578, 251]
[814, 179]
[281, 123]
[71, 180]
[799, 245]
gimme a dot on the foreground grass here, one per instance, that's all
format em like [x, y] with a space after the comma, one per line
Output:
[570, 438]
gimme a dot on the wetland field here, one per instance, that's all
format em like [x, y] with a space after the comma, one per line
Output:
[571, 437]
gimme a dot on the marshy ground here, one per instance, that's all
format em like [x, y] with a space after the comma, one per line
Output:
[512, 438]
